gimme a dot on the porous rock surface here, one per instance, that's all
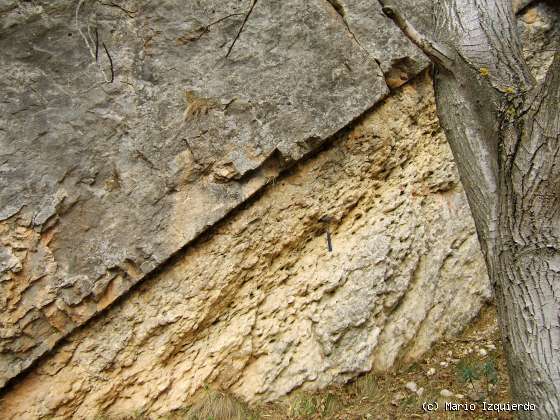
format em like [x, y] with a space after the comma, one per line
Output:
[261, 307]
[103, 183]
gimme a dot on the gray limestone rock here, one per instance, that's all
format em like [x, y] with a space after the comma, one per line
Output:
[398, 58]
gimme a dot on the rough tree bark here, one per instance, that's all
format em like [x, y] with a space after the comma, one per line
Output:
[504, 130]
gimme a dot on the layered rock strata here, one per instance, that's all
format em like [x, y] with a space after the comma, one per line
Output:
[106, 184]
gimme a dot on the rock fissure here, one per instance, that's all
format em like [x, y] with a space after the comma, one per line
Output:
[253, 4]
[339, 9]
[276, 328]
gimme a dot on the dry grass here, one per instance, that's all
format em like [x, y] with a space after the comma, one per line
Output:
[215, 405]
[305, 405]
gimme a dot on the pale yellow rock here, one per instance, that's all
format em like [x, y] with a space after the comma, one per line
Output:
[530, 16]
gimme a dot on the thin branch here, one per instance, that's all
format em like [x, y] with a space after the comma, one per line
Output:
[129, 13]
[96, 45]
[241, 28]
[222, 19]
[200, 32]
[429, 47]
[110, 62]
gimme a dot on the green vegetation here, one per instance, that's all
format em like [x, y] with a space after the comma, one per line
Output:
[482, 371]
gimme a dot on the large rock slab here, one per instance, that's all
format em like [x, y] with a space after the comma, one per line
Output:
[128, 129]
[261, 307]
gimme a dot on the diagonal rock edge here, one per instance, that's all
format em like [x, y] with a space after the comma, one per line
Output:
[128, 272]
[229, 185]
[274, 168]
[400, 305]
[232, 331]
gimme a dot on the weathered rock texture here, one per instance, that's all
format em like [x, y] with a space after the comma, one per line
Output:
[539, 26]
[103, 182]
[128, 129]
[261, 306]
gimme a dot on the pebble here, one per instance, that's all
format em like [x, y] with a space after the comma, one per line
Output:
[482, 352]
[443, 364]
[431, 372]
[411, 386]
[446, 393]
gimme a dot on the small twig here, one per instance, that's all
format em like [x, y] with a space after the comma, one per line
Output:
[129, 13]
[222, 19]
[110, 62]
[206, 28]
[241, 28]
[96, 45]
[429, 47]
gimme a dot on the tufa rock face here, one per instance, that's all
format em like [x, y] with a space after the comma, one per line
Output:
[261, 307]
[105, 184]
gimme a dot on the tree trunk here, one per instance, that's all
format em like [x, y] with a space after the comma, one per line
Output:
[526, 255]
[504, 132]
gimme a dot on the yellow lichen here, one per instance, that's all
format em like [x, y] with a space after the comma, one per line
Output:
[484, 72]
[511, 113]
